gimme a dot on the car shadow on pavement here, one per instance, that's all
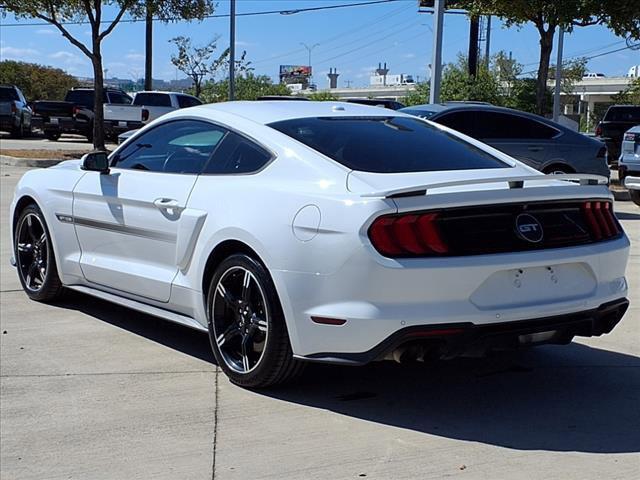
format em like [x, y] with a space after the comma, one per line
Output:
[555, 398]
[172, 335]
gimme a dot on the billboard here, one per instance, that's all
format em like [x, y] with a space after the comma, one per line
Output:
[294, 73]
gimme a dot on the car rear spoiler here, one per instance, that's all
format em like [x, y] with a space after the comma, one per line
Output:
[514, 182]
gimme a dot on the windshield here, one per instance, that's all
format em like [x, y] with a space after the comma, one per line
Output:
[387, 144]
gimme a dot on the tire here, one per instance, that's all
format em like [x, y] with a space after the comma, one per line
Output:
[635, 196]
[52, 136]
[251, 345]
[18, 132]
[35, 260]
[556, 169]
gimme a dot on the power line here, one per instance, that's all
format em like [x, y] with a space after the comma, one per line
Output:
[628, 47]
[341, 35]
[221, 15]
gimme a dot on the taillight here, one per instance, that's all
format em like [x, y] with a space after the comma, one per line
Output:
[598, 131]
[76, 110]
[600, 219]
[409, 235]
[14, 107]
[629, 137]
[145, 114]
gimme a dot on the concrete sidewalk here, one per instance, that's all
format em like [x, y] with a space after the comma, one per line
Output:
[91, 390]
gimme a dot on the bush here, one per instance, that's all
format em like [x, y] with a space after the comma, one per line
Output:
[37, 82]
[248, 87]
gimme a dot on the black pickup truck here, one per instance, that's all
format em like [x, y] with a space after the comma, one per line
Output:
[75, 114]
[617, 120]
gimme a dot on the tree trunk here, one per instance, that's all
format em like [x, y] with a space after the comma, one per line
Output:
[198, 87]
[546, 46]
[98, 102]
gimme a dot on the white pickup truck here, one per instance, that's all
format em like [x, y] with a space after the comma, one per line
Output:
[158, 103]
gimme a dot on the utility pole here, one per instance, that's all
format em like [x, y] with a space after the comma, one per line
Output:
[232, 51]
[556, 93]
[487, 39]
[148, 50]
[309, 50]
[474, 33]
[436, 63]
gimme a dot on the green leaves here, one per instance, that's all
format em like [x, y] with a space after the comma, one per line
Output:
[37, 82]
[247, 87]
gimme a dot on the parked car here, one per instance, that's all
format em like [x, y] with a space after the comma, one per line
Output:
[298, 232]
[629, 164]
[377, 102]
[540, 143]
[633, 185]
[158, 103]
[617, 120]
[75, 114]
[15, 113]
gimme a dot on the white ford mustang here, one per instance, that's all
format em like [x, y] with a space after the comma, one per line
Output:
[325, 231]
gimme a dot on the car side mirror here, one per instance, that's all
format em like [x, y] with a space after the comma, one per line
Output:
[97, 161]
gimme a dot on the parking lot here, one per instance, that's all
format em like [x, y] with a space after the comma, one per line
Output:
[91, 390]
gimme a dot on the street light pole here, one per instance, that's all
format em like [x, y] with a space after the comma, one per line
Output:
[309, 49]
[436, 63]
[556, 93]
[232, 51]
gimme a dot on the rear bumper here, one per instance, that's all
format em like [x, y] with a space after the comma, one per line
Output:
[456, 339]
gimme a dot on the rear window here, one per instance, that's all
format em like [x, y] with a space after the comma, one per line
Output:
[623, 114]
[80, 97]
[153, 99]
[419, 113]
[7, 94]
[387, 144]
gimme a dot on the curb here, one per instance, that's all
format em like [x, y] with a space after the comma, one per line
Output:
[28, 162]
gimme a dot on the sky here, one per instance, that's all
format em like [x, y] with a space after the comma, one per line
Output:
[353, 40]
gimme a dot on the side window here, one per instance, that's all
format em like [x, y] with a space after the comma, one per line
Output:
[496, 125]
[237, 155]
[181, 146]
[186, 102]
[459, 121]
[83, 98]
[119, 98]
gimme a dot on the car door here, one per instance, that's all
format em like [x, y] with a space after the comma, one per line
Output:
[525, 139]
[128, 221]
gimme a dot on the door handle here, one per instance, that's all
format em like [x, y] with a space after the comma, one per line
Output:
[166, 203]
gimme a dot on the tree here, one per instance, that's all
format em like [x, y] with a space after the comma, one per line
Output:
[549, 15]
[165, 11]
[248, 87]
[572, 73]
[630, 95]
[37, 82]
[196, 63]
[458, 85]
[419, 96]
[58, 12]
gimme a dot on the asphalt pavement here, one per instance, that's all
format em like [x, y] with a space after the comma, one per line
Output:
[91, 390]
[37, 142]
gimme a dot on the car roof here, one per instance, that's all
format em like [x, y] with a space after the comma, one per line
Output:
[269, 111]
[164, 92]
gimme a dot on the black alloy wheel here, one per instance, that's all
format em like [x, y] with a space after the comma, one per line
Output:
[247, 329]
[35, 260]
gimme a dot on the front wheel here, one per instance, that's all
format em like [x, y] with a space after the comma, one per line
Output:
[247, 328]
[35, 259]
